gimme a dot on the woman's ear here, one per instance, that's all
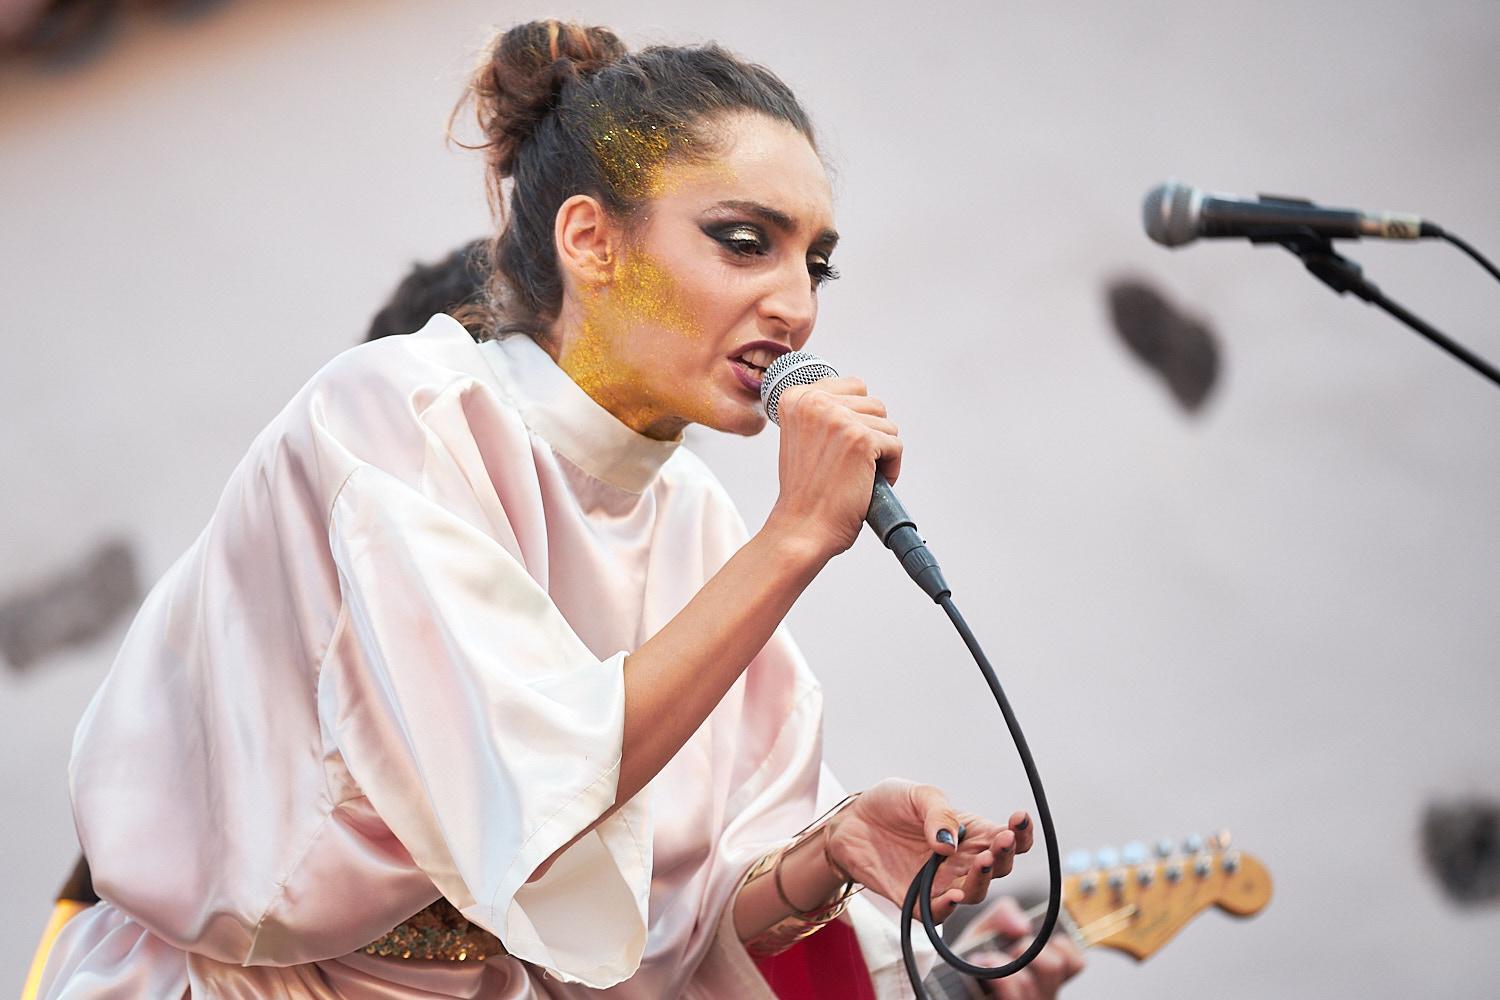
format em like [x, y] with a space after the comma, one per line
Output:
[587, 240]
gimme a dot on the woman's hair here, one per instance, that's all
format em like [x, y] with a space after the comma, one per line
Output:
[566, 109]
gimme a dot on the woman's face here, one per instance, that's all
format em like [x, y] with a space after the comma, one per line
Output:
[724, 260]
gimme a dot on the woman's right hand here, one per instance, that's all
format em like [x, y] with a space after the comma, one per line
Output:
[834, 437]
[884, 837]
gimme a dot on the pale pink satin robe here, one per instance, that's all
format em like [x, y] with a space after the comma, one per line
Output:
[390, 668]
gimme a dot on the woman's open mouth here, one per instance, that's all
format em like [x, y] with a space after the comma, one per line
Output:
[750, 365]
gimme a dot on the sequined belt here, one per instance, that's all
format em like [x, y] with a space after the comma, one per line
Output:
[438, 933]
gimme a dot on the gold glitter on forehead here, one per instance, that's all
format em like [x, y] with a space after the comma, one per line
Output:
[632, 155]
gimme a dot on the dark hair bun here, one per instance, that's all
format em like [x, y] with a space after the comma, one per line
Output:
[526, 69]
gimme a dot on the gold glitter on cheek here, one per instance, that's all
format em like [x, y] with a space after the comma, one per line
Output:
[627, 330]
[645, 293]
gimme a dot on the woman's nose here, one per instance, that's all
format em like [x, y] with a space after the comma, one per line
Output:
[791, 302]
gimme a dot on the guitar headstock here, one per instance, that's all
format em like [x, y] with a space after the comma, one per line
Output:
[1137, 898]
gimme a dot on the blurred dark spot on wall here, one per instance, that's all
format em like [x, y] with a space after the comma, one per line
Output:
[1461, 842]
[1181, 349]
[58, 34]
[71, 608]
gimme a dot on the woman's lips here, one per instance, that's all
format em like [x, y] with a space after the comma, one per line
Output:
[750, 377]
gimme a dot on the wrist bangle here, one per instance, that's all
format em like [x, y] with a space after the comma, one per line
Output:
[800, 923]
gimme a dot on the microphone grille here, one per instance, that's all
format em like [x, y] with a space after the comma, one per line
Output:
[1170, 213]
[792, 368]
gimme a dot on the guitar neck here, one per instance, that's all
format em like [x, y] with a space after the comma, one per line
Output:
[1135, 904]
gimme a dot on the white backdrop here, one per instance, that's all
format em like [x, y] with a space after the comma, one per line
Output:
[1278, 617]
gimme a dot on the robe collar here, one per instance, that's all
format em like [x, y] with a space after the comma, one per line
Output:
[568, 419]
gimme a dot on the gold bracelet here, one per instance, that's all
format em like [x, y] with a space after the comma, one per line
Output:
[800, 923]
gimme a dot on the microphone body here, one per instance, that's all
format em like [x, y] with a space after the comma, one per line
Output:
[886, 516]
[1175, 214]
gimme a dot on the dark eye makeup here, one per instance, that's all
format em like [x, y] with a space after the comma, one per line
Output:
[744, 239]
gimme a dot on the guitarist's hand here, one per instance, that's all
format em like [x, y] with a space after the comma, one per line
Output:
[889, 832]
[1004, 923]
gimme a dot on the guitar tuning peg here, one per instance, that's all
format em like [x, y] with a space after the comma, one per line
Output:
[1164, 848]
[1106, 857]
[1231, 862]
[1133, 853]
[1220, 841]
[1202, 866]
[1192, 844]
[1077, 862]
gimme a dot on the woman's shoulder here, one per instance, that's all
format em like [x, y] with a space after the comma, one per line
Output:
[426, 361]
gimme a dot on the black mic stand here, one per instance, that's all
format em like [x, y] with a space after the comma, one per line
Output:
[1344, 276]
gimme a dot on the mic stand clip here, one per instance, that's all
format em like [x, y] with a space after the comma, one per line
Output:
[1346, 277]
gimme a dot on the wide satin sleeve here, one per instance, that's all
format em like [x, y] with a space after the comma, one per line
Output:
[483, 731]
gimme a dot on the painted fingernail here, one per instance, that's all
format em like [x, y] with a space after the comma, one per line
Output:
[961, 830]
[1025, 822]
[986, 869]
[945, 836]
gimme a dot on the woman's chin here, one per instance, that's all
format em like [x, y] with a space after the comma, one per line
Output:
[742, 420]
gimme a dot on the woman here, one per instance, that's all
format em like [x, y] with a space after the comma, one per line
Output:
[382, 730]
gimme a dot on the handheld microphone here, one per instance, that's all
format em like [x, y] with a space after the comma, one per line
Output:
[1175, 214]
[886, 517]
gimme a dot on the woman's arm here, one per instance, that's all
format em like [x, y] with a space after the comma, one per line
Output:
[676, 678]
[833, 438]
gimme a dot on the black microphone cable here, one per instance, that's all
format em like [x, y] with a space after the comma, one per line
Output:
[919, 896]
[1433, 229]
[898, 532]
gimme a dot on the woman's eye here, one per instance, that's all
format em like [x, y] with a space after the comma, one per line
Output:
[743, 240]
[821, 272]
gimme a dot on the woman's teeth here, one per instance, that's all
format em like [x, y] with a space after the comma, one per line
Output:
[760, 358]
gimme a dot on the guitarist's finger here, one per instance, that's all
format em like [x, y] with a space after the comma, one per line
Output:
[1020, 986]
[1049, 970]
[1000, 924]
[1071, 954]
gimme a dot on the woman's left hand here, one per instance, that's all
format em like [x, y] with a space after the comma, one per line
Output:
[885, 836]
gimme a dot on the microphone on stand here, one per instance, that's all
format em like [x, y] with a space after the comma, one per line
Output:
[886, 517]
[1176, 214]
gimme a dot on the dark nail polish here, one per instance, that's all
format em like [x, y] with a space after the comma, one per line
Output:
[985, 870]
[945, 837]
[1025, 822]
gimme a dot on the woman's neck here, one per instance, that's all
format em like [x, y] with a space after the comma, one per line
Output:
[581, 352]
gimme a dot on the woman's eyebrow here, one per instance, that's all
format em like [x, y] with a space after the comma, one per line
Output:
[777, 218]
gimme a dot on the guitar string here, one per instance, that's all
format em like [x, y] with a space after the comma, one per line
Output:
[1111, 922]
